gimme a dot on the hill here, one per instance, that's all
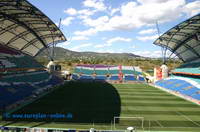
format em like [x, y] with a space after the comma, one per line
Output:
[63, 54]
[68, 59]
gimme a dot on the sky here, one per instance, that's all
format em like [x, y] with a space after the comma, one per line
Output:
[116, 26]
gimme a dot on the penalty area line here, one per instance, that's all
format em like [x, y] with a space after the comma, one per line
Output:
[186, 117]
[159, 123]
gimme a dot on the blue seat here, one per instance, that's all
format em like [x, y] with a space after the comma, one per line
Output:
[83, 77]
[15, 93]
[141, 78]
[22, 84]
[23, 88]
[196, 96]
[190, 91]
[130, 78]
[181, 86]
[75, 77]
[114, 78]
[101, 78]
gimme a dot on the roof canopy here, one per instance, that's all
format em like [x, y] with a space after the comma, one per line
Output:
[26, 28]
[183, 40]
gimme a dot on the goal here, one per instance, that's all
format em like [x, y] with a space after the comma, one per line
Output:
[124, 122]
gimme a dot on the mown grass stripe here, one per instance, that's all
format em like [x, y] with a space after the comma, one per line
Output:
[159, 123]
[96, 99]
[186, 117]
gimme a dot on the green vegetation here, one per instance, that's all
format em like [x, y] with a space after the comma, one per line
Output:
[68, 59]
[144, 64]
[95, 105]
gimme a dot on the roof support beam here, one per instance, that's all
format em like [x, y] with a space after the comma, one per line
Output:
[188, 49]
[180, 36]
[180, 57]
[192, 49]
[7, 29]
[35, 40]
[22, 34]
[33, 25]
[172, 40]
[177, 54]
[183, 42]
[193, 59]
[25, 26]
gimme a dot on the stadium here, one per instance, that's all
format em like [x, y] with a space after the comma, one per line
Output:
[95, 97]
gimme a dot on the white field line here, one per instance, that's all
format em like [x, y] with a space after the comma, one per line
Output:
[55, 128]
[159, 123]
[175, 127]
[186, 117]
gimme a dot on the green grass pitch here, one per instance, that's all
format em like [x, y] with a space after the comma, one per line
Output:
[94, 104]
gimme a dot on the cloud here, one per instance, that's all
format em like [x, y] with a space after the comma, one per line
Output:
[64, 44]
[146, 53]
[147, 38]
[77, 48]
[86, 12]
[88, 32]
[136, 15]
[114, 10]
[79, 38]
[96, 25]
[99, 46]
[148, 14]
[105, 51]
[96, 4]
[82, 14]
[133, 47]
[71, 11]
[96, 22]
[67, 21]
[192, 8]
[104, 38]
[154, 54]
[57, 24]
[152, 1]
[102, 50]
[109, 42]
[147, 31]
[117, 39]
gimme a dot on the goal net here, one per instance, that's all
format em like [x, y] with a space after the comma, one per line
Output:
[124, 122]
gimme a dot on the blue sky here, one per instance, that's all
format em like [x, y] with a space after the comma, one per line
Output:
[120, 26]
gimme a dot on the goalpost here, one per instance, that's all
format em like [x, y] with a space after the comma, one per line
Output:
[137, 122]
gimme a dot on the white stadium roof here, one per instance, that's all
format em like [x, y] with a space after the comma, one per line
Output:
[26, 28]
[183, 40]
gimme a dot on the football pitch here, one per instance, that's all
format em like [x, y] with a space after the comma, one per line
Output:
[95, 104]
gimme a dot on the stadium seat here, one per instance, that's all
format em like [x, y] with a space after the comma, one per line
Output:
[19, 86]
[84, 77]
[140, 78]
[101, 72]
[130, 78]
[114, 71]
[75, 77]
[100, 78]
[14, 59]
[14, 93]
[190, 91]
[196, 96]
[181, 86]
[114, 78]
